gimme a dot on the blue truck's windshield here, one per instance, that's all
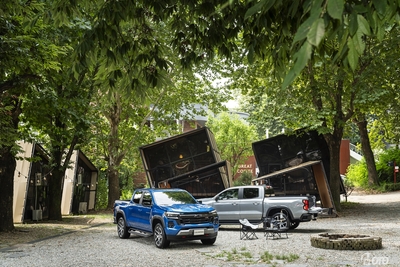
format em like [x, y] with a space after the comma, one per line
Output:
[167, 198]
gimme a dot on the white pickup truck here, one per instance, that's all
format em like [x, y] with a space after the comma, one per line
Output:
[256, 202]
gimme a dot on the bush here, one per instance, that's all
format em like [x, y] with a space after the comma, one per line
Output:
[244, 179]
[358, 174]
[390, 187]
[385, 171]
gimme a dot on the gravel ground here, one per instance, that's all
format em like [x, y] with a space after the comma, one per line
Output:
[376, 215]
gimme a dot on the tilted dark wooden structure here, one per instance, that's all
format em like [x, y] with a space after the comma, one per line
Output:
[189, 161]
[295, 165]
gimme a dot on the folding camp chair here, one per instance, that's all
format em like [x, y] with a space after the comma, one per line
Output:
[247, 230]
[273, 229]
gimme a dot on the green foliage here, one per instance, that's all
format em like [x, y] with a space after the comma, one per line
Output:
[244, 179]
[385, 171]
[126, 194]
[349, 185]
[387, 187]
[326, 96]
[233, 136]
[350, 24]
[71, 50]
[267, 257]
[289, 258]
[297, 31]
[121, 119]
[236, 255]
[358, 175]
[26, 53]
[102, 192]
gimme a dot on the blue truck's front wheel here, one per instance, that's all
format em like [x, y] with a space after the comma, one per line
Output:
[160, 239]
[122, 229]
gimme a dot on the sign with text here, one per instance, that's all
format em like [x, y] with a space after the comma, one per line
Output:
[249, 166]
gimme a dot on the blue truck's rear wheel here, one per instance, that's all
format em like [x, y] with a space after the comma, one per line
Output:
[122, 229]
[160, 239]
[208, 241]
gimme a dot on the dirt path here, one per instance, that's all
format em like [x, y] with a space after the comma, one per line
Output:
[374, 198]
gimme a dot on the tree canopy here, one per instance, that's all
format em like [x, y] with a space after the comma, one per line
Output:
[234, 137]
[27, 52]
[140, 48]
[286, 34]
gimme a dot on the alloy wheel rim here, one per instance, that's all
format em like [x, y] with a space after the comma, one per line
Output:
[158, 235]
[121, 227]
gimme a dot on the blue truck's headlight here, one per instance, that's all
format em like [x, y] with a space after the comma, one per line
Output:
[214, 217]
[172, 215]
[213, 213]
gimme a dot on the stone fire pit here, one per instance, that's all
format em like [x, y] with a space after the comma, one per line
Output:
[346, 242]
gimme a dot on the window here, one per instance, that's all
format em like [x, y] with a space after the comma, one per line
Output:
[146, 199]
[250, 192]
[229, 194]
[137, 197]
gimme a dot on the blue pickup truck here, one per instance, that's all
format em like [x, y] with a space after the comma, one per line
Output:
[168, 215]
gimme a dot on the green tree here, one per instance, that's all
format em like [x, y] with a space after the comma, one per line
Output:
[119, 127]
[358, 173]
[386, 109]
[289, 35]
[376, 135]
[380, 79]
[25, 54]
[57, 110]
[131, 44]
[282, 31]
[234, 137]
[245, 178]
[125, 121]
[323, 98]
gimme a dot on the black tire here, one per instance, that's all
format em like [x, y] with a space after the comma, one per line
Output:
[122, 229]
[160, 239]
[294, 225]
[208, 242]
[282, 219]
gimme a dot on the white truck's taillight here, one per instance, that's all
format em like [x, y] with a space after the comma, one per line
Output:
[306, 204]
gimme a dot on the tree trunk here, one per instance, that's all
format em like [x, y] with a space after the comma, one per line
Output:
[8, 162]
[55, 194]
[7, 168]
[114, 156]
[368, 154]
[334, 141]
[55, 186]
[113, 186]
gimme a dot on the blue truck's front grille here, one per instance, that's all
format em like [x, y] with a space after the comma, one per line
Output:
[197, 218]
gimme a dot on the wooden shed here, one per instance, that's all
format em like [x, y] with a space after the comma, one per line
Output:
[31, 189]
[80, 185]
[30, 183]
